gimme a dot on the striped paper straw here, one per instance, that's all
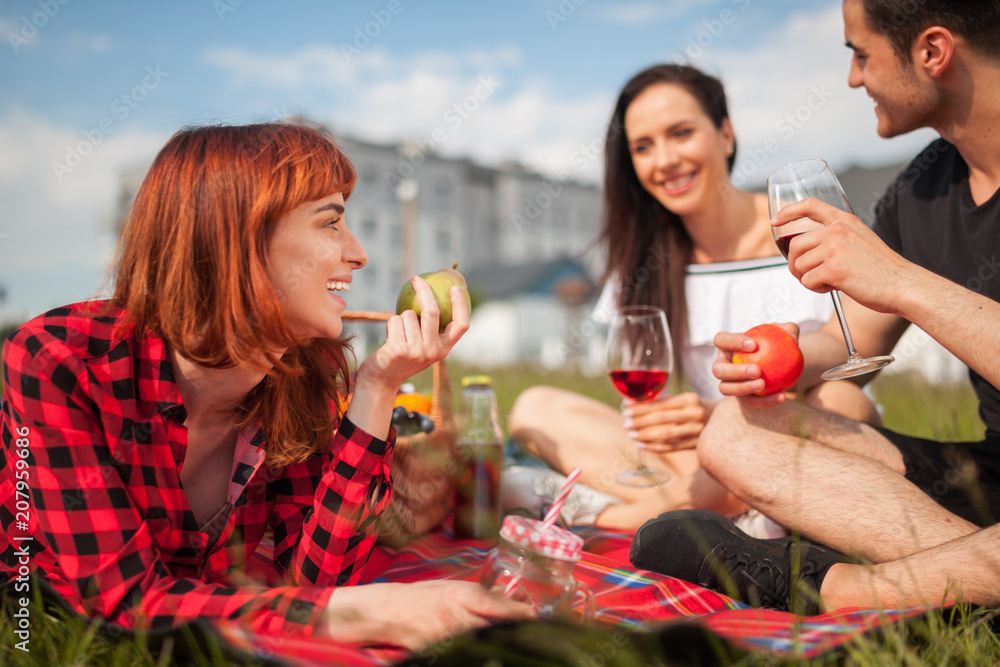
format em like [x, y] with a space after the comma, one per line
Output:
[553, 513]
[547, 522]
[512, 584]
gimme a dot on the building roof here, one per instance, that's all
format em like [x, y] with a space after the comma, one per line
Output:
[552, 277]
[864, 187]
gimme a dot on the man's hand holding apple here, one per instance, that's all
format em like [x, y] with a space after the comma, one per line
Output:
[757, 380]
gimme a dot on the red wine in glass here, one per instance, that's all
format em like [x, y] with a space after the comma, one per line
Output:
[783, 241]
[639, 361]
[639, 385]
[795, 182]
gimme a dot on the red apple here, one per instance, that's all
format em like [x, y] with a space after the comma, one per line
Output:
[778, 356]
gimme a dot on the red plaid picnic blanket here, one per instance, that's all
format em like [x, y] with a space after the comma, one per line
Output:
[626, 598]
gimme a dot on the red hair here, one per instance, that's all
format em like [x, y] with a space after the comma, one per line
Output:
[192, 268]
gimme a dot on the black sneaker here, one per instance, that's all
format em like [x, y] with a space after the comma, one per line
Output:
[705, 548]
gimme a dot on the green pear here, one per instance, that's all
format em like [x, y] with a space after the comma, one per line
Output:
[440, 283]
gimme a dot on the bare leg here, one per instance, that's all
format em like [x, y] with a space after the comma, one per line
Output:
[837, 481]
[843, 398]
[567, 430]
[964, 570]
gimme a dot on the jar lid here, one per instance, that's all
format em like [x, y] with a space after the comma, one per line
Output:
[469, 380]
[555, 542]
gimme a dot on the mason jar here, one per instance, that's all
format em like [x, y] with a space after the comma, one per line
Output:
[536, 566]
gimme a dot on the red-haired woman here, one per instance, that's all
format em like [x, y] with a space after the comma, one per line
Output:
[159, 434]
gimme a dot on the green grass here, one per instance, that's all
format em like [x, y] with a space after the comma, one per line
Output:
[912, 406]
[940, 412]
[58, 638]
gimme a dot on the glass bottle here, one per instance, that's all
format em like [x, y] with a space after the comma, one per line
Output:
[479, 460]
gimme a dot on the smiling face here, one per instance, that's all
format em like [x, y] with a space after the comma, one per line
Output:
[310, 259]
[903, 102]
[678, 154]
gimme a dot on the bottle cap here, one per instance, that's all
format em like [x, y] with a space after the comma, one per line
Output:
[555, 542]
[470, 380]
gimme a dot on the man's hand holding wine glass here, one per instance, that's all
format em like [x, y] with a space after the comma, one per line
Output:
[844, 255]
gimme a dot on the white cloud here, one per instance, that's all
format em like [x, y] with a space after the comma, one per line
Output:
[789, 98]
[481, 101]
[59, 233]
[641, 13]
[313, 66]
[18, 35]
[91, 43]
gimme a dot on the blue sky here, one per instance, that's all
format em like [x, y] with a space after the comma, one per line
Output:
[93, 89]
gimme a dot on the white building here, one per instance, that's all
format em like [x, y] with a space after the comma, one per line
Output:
[466, 213]
[476, 216]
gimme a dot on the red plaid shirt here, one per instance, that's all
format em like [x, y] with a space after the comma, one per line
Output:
[93, 445]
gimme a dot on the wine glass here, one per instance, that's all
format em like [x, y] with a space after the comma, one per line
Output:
[795, 182]
[640, 359]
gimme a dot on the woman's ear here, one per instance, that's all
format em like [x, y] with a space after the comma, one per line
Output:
[728, 135]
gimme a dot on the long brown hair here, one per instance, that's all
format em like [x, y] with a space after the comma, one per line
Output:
[192, 267]
[637, 229]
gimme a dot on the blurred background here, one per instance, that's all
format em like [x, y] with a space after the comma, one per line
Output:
[477, 130]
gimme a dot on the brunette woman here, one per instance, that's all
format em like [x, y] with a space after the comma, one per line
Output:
[680, 236]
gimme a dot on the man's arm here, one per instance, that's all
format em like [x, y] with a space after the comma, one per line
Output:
[873, 334]
[848, 256]
[964, 322]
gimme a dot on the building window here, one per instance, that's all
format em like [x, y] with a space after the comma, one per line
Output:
[368, 180]
[391, 179]
[442, 195]
[369, 227]
[442, 239]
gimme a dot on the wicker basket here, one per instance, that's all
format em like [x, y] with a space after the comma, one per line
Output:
[422, 467]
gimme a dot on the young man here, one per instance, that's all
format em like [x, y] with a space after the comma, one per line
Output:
[914, 509]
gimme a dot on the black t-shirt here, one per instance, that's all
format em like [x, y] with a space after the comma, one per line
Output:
[929, 217]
